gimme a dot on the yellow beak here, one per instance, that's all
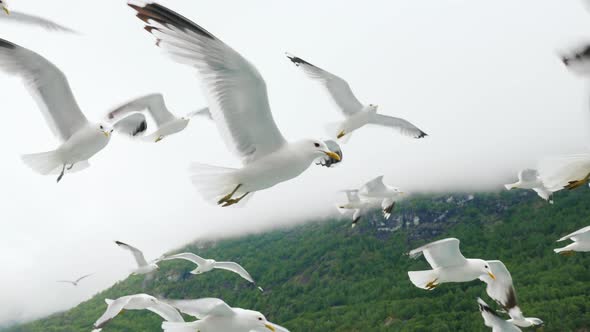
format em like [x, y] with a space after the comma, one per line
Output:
[159, 139]
[492, 275]
[6, 10]
[106, 133]
[332, 155]
[270, 327]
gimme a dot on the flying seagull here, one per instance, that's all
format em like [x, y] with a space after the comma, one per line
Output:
[357, 115]
[80, 139]
[214, 315]
[565, 172]
[166, 122]
[376, 189]
[581, 242]
[448, 265]
[143, 267]
[502, 291]
[13, 16]
[137, 302]
[75, 282]
[206, 265]
[239, 106]
[355, 205]
[530, 179]
[493, 320]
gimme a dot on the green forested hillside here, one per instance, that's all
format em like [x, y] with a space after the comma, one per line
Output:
[325, 276]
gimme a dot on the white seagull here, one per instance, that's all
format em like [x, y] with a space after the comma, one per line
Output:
[530, 179]
[502, 291]
[493, 320]
[215, 316]
[357, 115]
[138, 302]
[565, 172]
[166, 122]
[80, 139]
[239, 106]
[75, 282]
[376, 189]
[581, 242]
[18, 17]
[206, 265]
[448, 265]
[356, 205]
[143, 267]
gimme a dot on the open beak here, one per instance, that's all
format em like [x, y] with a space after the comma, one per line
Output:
[492, 275]
[270, 327]
[6, 10]
[332, 155]
[106, 133]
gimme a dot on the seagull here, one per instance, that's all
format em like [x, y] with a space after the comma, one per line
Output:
[75, 282]
[493, 320]
[215, 315]
[206, 265]
[357, 115]
[239, 106]
[18, 17]
[581, 242]
[143, 267]
[355, 204]
[80, 139]
[166, 122]
[377, 189]
[138, 302]
[529, 179]
[565, 172]
[502, 291]
[328, 161]
[448, 265]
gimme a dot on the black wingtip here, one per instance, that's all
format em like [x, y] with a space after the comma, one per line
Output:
[6, 44]
[119, 243]
[422, 135]
[297, 60]
[485, 308]
[140, 128]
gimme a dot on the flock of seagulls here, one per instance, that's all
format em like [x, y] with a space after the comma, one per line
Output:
[238, 105]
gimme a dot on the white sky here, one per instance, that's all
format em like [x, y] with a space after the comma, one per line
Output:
[481, 78]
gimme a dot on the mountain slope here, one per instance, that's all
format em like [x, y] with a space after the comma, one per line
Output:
[325, 276]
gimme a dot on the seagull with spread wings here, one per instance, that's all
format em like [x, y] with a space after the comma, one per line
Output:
[502, 291]
[214, 315]
[239, 106]
[167, 123]
[448, 265]
[138, 302]
[75, 282]
[493, 320]
[581, 242]
[80, 139]
[357, 115]
[143, 266]
[530, 179]
[206, 265]
[376, 189]
[18, 17]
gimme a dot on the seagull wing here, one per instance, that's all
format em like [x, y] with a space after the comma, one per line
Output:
[352, 195]
[236, 91]
[557, 172]
[113, 309]
[83, 277]
[35, 20]
[153, 103]
[234, 267]
[166, 311]
[374, 186]
[579, 235]
[67, 282]
[48, 86]
[201, 308]
[201, 112]
[500, 290]
[137, 254]
[188, 256]
[337, 88]
[443, 253]
[132, 125]
[493, 320]
[403, 126]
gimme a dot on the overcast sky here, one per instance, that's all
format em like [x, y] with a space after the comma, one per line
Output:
[480, 77]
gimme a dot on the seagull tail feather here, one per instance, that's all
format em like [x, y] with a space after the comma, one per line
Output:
[214, 182]
[421, 278]
[44, 162]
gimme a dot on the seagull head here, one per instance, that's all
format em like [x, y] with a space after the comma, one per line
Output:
[256, 321]
[372, 108]
[317, 149]
[105, 129]
[4, 6]
[485, 269]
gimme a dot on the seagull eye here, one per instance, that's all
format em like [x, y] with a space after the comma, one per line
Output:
[259, 318]
[486, 266]
[101, 127]
[317, 145]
